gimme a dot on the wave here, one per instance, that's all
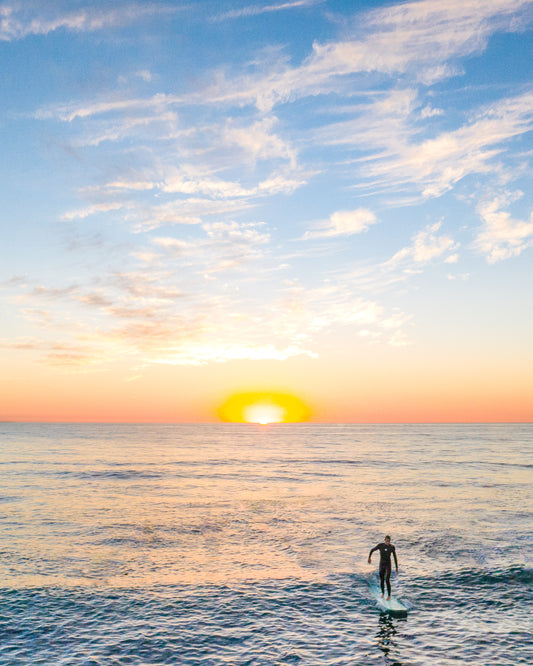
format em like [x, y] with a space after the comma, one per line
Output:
[268, 622]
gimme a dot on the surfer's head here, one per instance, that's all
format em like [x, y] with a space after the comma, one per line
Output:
[387, 539]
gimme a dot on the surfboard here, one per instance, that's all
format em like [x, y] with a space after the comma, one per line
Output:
[393, 606]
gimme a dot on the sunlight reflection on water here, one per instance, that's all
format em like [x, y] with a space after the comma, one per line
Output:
[172, 504]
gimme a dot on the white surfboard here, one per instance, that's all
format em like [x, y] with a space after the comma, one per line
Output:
[393, 606]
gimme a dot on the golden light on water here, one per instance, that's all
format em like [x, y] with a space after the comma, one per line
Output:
[264, 407]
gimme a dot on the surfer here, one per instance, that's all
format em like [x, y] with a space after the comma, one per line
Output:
[386, 549]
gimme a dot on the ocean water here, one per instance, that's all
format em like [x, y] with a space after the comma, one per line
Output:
[241, 544]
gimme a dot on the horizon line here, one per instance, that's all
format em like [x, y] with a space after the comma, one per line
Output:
[325, 423]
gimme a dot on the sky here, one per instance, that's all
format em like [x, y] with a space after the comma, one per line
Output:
[323, 198]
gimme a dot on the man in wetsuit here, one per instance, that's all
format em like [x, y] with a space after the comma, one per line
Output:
[386, 549]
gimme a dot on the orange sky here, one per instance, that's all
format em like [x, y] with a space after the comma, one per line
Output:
[364, 393]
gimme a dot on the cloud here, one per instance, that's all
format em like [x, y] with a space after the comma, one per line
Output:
[426, 245]
[225, 246]
[18, 21]
[94, 209]
[157, 126]
[254, 10]
[219, 197]
[332, 307]
[53, 293]
[158, 103]
[502, 237]
[56, 354]
[203, 291]
[66, 359]
[380, 124]
[258, 141]
[175, 245]
[144, 74]
[15, 281]
[201, 354]
[171, 313]
[387, 133]
[231, 232]
[396, 159]
[429, 112]
[417, 39]
[343, 223]
[146, 215]
[186, 181]
[137, 185]
[429, 33]
[282, 184]
[182, 211]
[202, 172]
[452, 259]
[95, 299]
[141, 286]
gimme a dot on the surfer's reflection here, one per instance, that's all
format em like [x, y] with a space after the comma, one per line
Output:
[387, 630]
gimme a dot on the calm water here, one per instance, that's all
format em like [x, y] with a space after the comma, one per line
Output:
[223, 544]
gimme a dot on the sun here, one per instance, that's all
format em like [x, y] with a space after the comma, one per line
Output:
[264, 407]
[264, 412]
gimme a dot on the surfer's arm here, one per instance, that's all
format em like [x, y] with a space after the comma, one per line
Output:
[370, 554]
[395, 558]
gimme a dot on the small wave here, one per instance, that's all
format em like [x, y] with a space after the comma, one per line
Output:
[270, 622]
[117, 474]
[481, 576]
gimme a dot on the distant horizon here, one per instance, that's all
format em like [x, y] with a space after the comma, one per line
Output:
[269, 425]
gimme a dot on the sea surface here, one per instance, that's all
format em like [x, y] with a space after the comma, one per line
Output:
[242, 544]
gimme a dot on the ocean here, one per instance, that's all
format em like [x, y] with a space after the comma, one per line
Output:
[241, 544]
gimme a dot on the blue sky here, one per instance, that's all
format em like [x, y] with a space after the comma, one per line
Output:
[207, 184]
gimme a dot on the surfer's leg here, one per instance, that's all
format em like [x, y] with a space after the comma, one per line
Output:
[382, 580]
[387, 579]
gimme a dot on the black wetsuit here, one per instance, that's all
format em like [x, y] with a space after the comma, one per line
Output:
[385, 566]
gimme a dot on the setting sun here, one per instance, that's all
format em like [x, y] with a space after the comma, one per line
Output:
[264, 408]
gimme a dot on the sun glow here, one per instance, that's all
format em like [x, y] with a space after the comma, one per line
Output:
[264, 408]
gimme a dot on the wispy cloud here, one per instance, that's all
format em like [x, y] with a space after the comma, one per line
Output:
[18, 20]
[63, 355]
[256, 10]
[192, 210]
[94, 209]
[182, 308]
[216, 169]
[397, 152]
[418, 39]
[427, 246]
[205, 167]
[158, 103]
[397, 158]
[226, 246]
[176, 310]
[192, 194]
[308, 312]
[157, 127]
